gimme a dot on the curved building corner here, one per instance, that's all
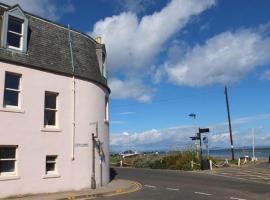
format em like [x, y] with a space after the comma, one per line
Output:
[53, 107]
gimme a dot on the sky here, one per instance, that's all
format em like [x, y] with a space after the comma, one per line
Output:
[169, 58]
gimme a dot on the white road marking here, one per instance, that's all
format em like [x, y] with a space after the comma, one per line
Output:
[202, 193]
[173, 189]
[150, 186]
[235, 198]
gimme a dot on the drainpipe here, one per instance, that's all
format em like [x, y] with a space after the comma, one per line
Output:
[93, 177]
[73, 96]
[95, 144]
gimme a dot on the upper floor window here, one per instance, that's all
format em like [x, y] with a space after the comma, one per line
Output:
[15, 29]
[15, 33]
[12, 89]
[50, 109]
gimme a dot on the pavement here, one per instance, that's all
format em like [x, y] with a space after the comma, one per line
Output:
[115, 187]
[244, 183]
[253, 172]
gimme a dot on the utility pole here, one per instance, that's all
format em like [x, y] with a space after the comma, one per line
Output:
[253, 144]
[229, 120]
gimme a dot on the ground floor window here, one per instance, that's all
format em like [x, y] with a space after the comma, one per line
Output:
[8, 160]
[51, 164]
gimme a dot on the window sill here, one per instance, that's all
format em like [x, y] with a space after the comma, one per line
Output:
[9, 177]
[50, 129]
[51, 176]
[10, 109]
[13, 50]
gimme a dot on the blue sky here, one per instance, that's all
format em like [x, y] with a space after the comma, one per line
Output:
[169, 58]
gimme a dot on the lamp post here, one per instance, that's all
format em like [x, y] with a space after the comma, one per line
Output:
[193, 116]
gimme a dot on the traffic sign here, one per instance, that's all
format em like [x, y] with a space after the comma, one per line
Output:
[204, 130]
[205, 140]
[195, 138]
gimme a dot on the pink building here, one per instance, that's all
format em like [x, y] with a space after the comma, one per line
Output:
[53, 107]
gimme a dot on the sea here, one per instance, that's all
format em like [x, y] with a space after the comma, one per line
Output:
[263, 153]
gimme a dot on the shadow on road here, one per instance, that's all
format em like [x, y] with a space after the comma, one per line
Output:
[113, 174]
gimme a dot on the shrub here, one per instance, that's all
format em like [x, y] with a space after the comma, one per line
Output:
[176, 160]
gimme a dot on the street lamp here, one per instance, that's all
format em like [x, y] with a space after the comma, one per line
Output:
[193, 116]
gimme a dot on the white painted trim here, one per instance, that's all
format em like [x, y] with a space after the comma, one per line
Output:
[50, 129]
[12, 109]
[7, 178]
[51, 176]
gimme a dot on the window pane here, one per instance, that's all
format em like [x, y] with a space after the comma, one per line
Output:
[50, 100]
[11, 98]
[7, 152]
[50, 166]
[49, 117]
[7, 166]
[15, 25]
[12, 81]
[14, 40]
[51, 158]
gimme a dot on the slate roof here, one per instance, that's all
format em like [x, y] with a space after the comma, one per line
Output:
[48, 49]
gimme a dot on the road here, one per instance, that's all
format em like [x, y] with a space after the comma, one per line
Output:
[169, 185]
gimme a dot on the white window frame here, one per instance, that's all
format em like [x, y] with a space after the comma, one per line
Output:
[5, 174]
[19, 34]
[55, 172]
[104, 64]
[16, 13]
[106, 109]
[51, 109]
[15, 90]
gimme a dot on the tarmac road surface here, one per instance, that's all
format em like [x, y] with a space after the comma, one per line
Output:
[169, 185]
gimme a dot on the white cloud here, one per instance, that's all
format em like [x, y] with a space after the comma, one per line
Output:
[133, 43]
[44, 8]
[118, 122]
[154, 139]
[127, 113]
[130, 89]
[224, 58]
[178, 137]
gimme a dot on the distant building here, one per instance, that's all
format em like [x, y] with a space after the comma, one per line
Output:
[53, 107]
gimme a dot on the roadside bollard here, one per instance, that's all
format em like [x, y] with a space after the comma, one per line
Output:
[239, 162]
[191, 164]
[121, 163]
[211, 165]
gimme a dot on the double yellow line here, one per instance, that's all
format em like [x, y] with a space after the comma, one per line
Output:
[136, 186]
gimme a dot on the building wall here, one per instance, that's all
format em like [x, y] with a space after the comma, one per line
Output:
[25, 129]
